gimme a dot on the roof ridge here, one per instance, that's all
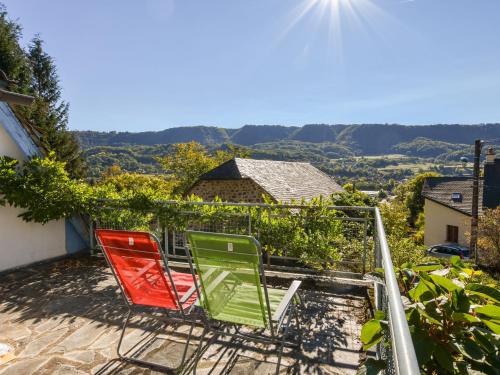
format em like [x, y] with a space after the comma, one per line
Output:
[272, 161]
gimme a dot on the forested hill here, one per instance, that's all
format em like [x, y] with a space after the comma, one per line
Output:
[365, 139]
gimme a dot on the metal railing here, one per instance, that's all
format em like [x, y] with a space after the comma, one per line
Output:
[402, 357]
[362, 226]
[351, 247]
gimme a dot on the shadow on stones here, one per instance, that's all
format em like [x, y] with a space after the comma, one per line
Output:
[84, 287]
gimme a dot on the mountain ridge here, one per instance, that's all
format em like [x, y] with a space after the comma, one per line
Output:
[364, 139]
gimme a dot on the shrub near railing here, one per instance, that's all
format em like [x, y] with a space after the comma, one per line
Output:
[45, 192]
[312, 234]
[453, 320]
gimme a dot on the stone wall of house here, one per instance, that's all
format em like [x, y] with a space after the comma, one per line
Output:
[244, 190]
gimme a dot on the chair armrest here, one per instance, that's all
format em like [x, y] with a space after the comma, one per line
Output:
[145, 269]
[285, 302]
[219, 279]
[188, 294]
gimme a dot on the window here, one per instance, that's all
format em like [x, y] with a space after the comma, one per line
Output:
[451, 233]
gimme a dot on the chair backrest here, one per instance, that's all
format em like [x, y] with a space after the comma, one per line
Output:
[135, 260]
[229, 270]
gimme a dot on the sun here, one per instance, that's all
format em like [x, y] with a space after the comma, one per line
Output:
[334, 17]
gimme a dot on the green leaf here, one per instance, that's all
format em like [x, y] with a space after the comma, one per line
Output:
[371, 333]
[424, 347]
[494, 326]
[444, 358]
[425, 276]
[424, 291]
[491, 311]
[444, 282]
[379, 315]
[460, 301]
[464, 317]
[470, 349]
[427, 267]
[412, 316]
[484, 368]
[485, 340]
[429, 317]
[372, 367]
[484, 291]
[456, 262]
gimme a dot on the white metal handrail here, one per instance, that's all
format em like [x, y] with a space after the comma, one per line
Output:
[402, 345]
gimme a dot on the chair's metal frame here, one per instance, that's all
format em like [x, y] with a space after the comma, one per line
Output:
[282, 316]
[170, 316]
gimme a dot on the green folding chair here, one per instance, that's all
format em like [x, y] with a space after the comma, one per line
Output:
[233, 289]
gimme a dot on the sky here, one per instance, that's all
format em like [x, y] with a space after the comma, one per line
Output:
[153, 64]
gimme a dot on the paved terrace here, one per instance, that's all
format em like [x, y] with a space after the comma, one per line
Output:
[65, 317]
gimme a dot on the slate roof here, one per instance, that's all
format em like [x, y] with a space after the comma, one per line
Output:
[283, 181]
[440, 189]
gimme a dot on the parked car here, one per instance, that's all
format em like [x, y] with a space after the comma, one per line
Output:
[449, 250]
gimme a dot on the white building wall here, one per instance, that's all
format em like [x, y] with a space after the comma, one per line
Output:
[23, 243]
[437, 217]
[8, 147]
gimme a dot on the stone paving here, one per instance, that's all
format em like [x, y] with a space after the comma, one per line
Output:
[65, 317]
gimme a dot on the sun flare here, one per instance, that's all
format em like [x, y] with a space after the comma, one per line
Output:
[336, 17]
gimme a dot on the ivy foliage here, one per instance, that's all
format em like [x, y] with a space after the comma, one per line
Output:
[312, 234]
[42, 188]
[454, 321]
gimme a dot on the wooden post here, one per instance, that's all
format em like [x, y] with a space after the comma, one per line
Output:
[475, 200]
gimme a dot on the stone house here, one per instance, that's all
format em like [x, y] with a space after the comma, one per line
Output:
[248, 180]
[448, 203]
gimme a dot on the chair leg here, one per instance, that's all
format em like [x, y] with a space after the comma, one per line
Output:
[147, 363]
[127, 319]
[199, 351]
[298, 325]
[285, 333]
[301, 301]
[187, 344]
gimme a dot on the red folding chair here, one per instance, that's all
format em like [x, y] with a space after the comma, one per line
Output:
[135, 259]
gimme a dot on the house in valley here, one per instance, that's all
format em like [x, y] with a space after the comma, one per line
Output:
[249, 180]
[448, 203]
[25, 243]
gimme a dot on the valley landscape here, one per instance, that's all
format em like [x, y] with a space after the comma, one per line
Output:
[372, 156]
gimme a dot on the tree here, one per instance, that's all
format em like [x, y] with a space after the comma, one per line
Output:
[400, 238]
[34, 72]
[127, 184]
[410, 194]
[489, 237]
[49, 112]
[12, 57]
[188, 161]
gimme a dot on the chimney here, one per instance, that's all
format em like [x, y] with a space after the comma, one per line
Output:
[491, 182]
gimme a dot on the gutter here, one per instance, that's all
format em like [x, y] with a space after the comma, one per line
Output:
[14, 98]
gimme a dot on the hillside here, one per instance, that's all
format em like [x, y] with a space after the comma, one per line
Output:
[201, 134]
[351, 153]
[376, 139]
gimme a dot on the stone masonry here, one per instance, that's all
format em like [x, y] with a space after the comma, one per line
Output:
[244, 190]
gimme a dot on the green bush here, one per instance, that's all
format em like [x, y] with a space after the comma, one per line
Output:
[454, 320]
[41, 187]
